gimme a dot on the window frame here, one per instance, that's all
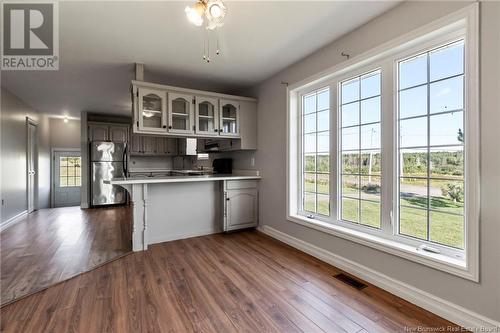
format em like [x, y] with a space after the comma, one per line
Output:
[464, 263]
[67, 177]
[428, 47]
[376, 67]
[300, 175]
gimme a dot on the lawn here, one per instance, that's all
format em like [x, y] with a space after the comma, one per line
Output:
[444, 228]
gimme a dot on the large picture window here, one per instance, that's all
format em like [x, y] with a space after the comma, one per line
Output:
[360, 111]
[383, 149]
[431, 145]
[316, 152]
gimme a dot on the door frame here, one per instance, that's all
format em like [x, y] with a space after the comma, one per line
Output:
[30, 121]
[52, 171]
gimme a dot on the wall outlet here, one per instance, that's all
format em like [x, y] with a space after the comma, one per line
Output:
[252, 161]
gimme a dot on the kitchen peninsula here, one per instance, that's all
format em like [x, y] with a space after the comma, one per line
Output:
[176, 207]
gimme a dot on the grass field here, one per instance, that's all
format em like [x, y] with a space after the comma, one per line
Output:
[444, 228]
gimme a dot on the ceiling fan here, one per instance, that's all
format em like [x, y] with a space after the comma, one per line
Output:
[210, 12]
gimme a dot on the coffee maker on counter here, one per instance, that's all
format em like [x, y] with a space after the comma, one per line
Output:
[223, 166]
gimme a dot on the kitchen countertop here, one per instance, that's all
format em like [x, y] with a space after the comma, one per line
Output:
[177, 179]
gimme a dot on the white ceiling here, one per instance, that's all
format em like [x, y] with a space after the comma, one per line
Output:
[100, 42]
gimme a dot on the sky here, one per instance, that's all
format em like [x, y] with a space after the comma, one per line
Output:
[360, 98]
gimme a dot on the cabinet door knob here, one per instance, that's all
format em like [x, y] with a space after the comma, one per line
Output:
[169, 127]
[164, 126]
[227, 199]
[216, 130]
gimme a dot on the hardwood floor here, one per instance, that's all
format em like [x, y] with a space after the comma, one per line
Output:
[52, 245]
[241, 282]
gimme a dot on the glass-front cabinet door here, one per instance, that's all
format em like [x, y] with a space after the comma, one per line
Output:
[229, 118]
[206, 116]
[180, 113]
[152, 110]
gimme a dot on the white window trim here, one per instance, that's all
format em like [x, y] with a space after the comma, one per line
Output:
[464, 22]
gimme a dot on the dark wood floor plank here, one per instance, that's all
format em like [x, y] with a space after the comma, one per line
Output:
[255, 273]
[241, 282]
[52, 245]
[240, 278]
[294, 295]
[202, 281]
[334, 287]
[238, 296]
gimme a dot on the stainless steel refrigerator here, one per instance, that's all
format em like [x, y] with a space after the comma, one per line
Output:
[108, 160]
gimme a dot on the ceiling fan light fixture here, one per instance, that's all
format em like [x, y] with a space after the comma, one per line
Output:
[195, 13]
[211, 13]
[215, 13]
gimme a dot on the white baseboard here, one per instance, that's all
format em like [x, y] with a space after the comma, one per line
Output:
[13, 220]
[450, 311]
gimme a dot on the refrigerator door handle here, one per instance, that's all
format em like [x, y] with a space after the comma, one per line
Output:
[125, 162]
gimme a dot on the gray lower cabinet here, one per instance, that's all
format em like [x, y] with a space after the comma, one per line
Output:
[240, 204]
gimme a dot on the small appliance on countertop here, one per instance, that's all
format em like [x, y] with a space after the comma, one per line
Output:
[223, 165]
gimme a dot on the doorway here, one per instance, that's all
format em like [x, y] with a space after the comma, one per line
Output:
[67, 178]
[31, 164]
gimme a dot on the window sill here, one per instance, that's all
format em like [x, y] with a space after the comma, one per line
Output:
[438, 261]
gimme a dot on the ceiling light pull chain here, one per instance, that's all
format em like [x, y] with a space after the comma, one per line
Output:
[217, 36]
[208, 46]
[204, 48]
[212, 13]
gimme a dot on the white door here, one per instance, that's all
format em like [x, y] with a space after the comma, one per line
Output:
[67, 178]
[31, 165]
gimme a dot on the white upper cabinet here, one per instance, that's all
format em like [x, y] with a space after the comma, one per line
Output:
[229, 118]
[207, 111]
[152, 110]
[180, 113]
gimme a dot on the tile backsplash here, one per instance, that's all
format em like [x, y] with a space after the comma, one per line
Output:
[241, 160]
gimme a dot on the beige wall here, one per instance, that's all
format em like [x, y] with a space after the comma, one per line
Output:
[52, 133]
[64, 135]
[483, 297]
[13, 113]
